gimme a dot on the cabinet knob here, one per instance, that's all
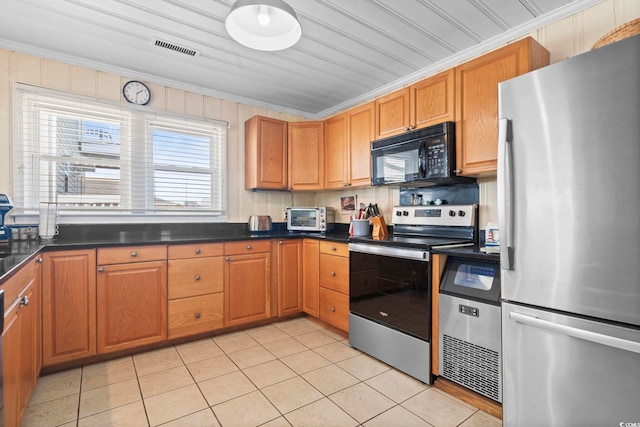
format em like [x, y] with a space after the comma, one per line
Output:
[24, 300]
[197, 315]
[457, 171]
[39, 260]
[333, 273]
[249, 247]
[345, 184]
[101, 270]
[333, 248]
[197, 277]
[227, 259]
[280, 241]
[412, 127]
[198, 251]
[134, 254]
[332, 309]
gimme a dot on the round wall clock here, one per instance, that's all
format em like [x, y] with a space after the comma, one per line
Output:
[136, 92]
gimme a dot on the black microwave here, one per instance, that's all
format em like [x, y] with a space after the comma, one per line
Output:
[420, 156]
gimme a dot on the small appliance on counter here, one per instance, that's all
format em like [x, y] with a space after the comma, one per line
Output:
[310, 219]
[5, 206]
[260, 223]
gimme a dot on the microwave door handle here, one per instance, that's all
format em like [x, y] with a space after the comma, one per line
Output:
[422, 161]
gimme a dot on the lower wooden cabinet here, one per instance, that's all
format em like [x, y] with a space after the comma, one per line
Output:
[69, 305]
[22, 341]
[334, 284]
[195, 282]
[132, 305]
[311, 277]
[289, 276]
[247, 282]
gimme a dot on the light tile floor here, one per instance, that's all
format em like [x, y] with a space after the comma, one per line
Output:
[292, 373]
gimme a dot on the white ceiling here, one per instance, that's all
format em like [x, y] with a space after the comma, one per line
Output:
[350, 50]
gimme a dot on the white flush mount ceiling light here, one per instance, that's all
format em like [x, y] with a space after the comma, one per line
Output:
[263, 24]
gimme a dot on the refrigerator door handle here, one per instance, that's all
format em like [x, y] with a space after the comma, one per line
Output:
[583, 334]
[505, 191]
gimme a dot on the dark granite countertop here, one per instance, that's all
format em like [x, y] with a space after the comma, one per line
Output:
[14, 254]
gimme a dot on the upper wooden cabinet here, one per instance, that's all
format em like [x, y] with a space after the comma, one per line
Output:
[336, 152]
[347, 147]
[265, 153]
[306, 155]
[392, 113]
[477, 101]
[432, 100]
[428, 102]
[361, 123]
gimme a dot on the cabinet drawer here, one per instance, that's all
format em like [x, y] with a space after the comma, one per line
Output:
[334, 309]
[131, 254]
[192, 277]
[189, 316]
[334, 273]
[16, 284]
[247, 247]
[334, 248]
[196, 250]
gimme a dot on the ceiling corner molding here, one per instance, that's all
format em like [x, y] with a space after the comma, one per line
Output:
[467, 54]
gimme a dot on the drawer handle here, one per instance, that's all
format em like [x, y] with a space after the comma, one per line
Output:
[197, 315]
[134, 254]
[332, 309]
[249, 247]
[101, 270]
[24, 300]
[197, 277]
[39, 260]
[333, 248]
[333, 273]
[198, 251]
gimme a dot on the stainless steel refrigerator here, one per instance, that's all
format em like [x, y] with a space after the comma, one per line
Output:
[569, 211]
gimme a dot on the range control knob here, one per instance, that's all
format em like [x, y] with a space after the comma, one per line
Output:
[398, 213]
[405, 213]
[452, 213]
[461, 213]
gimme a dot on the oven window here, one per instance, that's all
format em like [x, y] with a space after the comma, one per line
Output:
[398, 164]
[392, 291]
[303, 218]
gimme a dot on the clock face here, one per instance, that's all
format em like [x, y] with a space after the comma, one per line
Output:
[136, 92]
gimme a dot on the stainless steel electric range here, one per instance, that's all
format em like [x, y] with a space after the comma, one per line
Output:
[390, 284]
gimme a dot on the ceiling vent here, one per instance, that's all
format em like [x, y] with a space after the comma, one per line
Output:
[175, 47]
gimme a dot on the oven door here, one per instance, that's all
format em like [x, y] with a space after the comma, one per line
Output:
[391, 286]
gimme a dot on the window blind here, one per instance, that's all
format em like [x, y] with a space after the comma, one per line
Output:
[96, 157]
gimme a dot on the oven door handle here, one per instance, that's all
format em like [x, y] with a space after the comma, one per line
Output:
[414, 254]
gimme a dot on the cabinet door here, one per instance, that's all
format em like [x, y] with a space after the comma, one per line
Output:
[306, 155]
[27, 315]
[361, 131]
[69, 305]
[336, 154]
[392, 113]
[194, 315]
[433, 100]
[265, 150]
[477, 102]
[11, 357]
[289, 277]
[247, 288]
[132, 305]
[310, 276]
